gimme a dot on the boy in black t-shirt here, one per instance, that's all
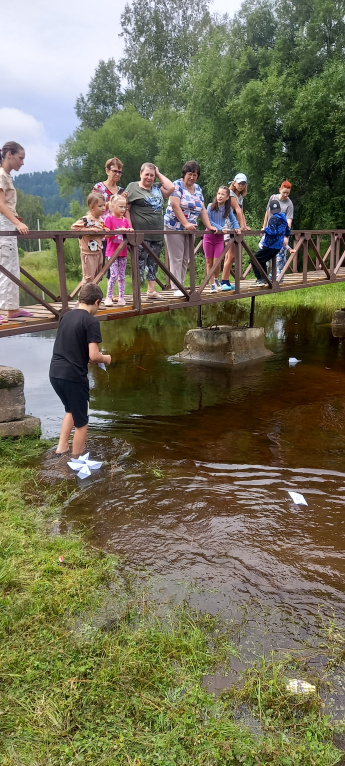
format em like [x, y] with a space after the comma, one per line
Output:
[75, 346]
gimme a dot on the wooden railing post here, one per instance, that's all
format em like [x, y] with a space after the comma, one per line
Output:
[238, 263]
[62, 273]
[191, 238]
[334, 244]
[135, 240]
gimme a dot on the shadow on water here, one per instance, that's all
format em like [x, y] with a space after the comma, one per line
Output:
[202, 501]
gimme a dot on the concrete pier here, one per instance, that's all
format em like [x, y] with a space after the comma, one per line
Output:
[13, 421]
[338, 324]
[224, 345]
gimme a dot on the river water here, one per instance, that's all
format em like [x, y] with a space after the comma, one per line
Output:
[198, 502]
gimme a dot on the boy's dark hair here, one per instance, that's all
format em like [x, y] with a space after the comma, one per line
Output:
[90, 293]
[227, 205]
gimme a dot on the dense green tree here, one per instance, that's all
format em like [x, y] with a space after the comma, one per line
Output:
[161, 37]
[82, 157]
[103, 97]
[30, 209]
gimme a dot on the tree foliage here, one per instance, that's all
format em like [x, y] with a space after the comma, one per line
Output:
[103, 97]
[161, 37]
[261, 94]
[125, 134]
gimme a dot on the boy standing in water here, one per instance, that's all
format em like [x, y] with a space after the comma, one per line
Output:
[76, 345]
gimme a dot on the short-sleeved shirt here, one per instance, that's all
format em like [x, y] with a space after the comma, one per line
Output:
[146, 208]
[286, 206]
[191, 205]
[101, 188]
[111, 222]
[70, 357]
[7, 186]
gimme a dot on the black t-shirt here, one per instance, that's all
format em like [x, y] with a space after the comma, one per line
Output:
[70, 357]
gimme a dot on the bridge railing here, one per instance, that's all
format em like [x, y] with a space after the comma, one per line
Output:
[316, 250]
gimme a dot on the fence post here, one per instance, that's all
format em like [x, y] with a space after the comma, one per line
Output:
[62, 273]
[191, 239]
[136, 241]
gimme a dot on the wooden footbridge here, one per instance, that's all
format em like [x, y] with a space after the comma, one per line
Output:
[319, 260]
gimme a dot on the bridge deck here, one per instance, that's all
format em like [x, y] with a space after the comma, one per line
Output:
[43, 319]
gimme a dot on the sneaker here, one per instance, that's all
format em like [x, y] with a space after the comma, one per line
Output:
[225, 288]
[214, 289]
[108, 302]
[217, 283]
[260, 283]
[178, 294]
[121, 302]
[153, 295]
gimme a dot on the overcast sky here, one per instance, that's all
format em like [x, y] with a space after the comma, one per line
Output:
[49, 54]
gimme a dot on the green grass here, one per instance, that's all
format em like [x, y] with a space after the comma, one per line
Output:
[92, 672]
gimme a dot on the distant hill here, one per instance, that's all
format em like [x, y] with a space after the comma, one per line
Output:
[45, 185]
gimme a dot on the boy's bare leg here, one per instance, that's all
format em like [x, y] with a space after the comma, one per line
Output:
[66, 428]
[79, 440]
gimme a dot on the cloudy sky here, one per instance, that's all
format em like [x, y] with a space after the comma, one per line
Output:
[49, 54]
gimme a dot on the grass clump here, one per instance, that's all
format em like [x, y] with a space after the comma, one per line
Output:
[78, 687]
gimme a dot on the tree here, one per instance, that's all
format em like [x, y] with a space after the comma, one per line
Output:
[161, 38]
[30, 209]
[82, 157]
[103, 97]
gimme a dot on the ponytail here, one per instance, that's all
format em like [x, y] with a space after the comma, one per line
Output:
[12, 147]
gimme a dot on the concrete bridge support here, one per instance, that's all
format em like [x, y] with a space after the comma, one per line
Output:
[13, 421]
[224, 345]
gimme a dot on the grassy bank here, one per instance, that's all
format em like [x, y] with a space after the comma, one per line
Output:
[92, 673]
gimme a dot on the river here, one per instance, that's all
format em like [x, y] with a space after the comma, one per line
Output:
[199, 502]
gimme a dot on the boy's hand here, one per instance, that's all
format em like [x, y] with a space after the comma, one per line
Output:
[106, 229]
[238, 231]
[106, 358]
[292, 252]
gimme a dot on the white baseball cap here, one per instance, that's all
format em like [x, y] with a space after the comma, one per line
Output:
[240, 178]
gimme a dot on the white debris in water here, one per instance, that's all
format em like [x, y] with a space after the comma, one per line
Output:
[298, 686]
[83, 465]
[293, 361]
[297, 498]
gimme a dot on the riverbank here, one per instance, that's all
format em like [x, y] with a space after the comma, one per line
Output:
[94, 672]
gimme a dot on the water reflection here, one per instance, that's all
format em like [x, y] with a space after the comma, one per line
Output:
[202, 502]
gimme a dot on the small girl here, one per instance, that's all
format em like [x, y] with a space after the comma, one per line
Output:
[218, 211]
[90, 248]
[117, 220]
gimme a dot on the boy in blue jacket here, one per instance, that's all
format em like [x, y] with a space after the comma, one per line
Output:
[272, 241]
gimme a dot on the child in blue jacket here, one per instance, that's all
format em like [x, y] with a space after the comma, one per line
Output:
[272, 241]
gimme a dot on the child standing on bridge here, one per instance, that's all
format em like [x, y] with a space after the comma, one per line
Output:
[117, 220]
[75, 346]
[218, 211]
[91, 248]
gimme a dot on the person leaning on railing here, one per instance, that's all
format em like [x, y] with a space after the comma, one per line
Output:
[238, 190]
[145, 212]
[286, 206]
[186, 205]
[11, 158]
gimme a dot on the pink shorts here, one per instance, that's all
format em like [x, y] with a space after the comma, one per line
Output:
[213, 245]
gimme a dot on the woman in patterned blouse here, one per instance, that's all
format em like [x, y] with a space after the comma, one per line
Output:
[186, 205]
